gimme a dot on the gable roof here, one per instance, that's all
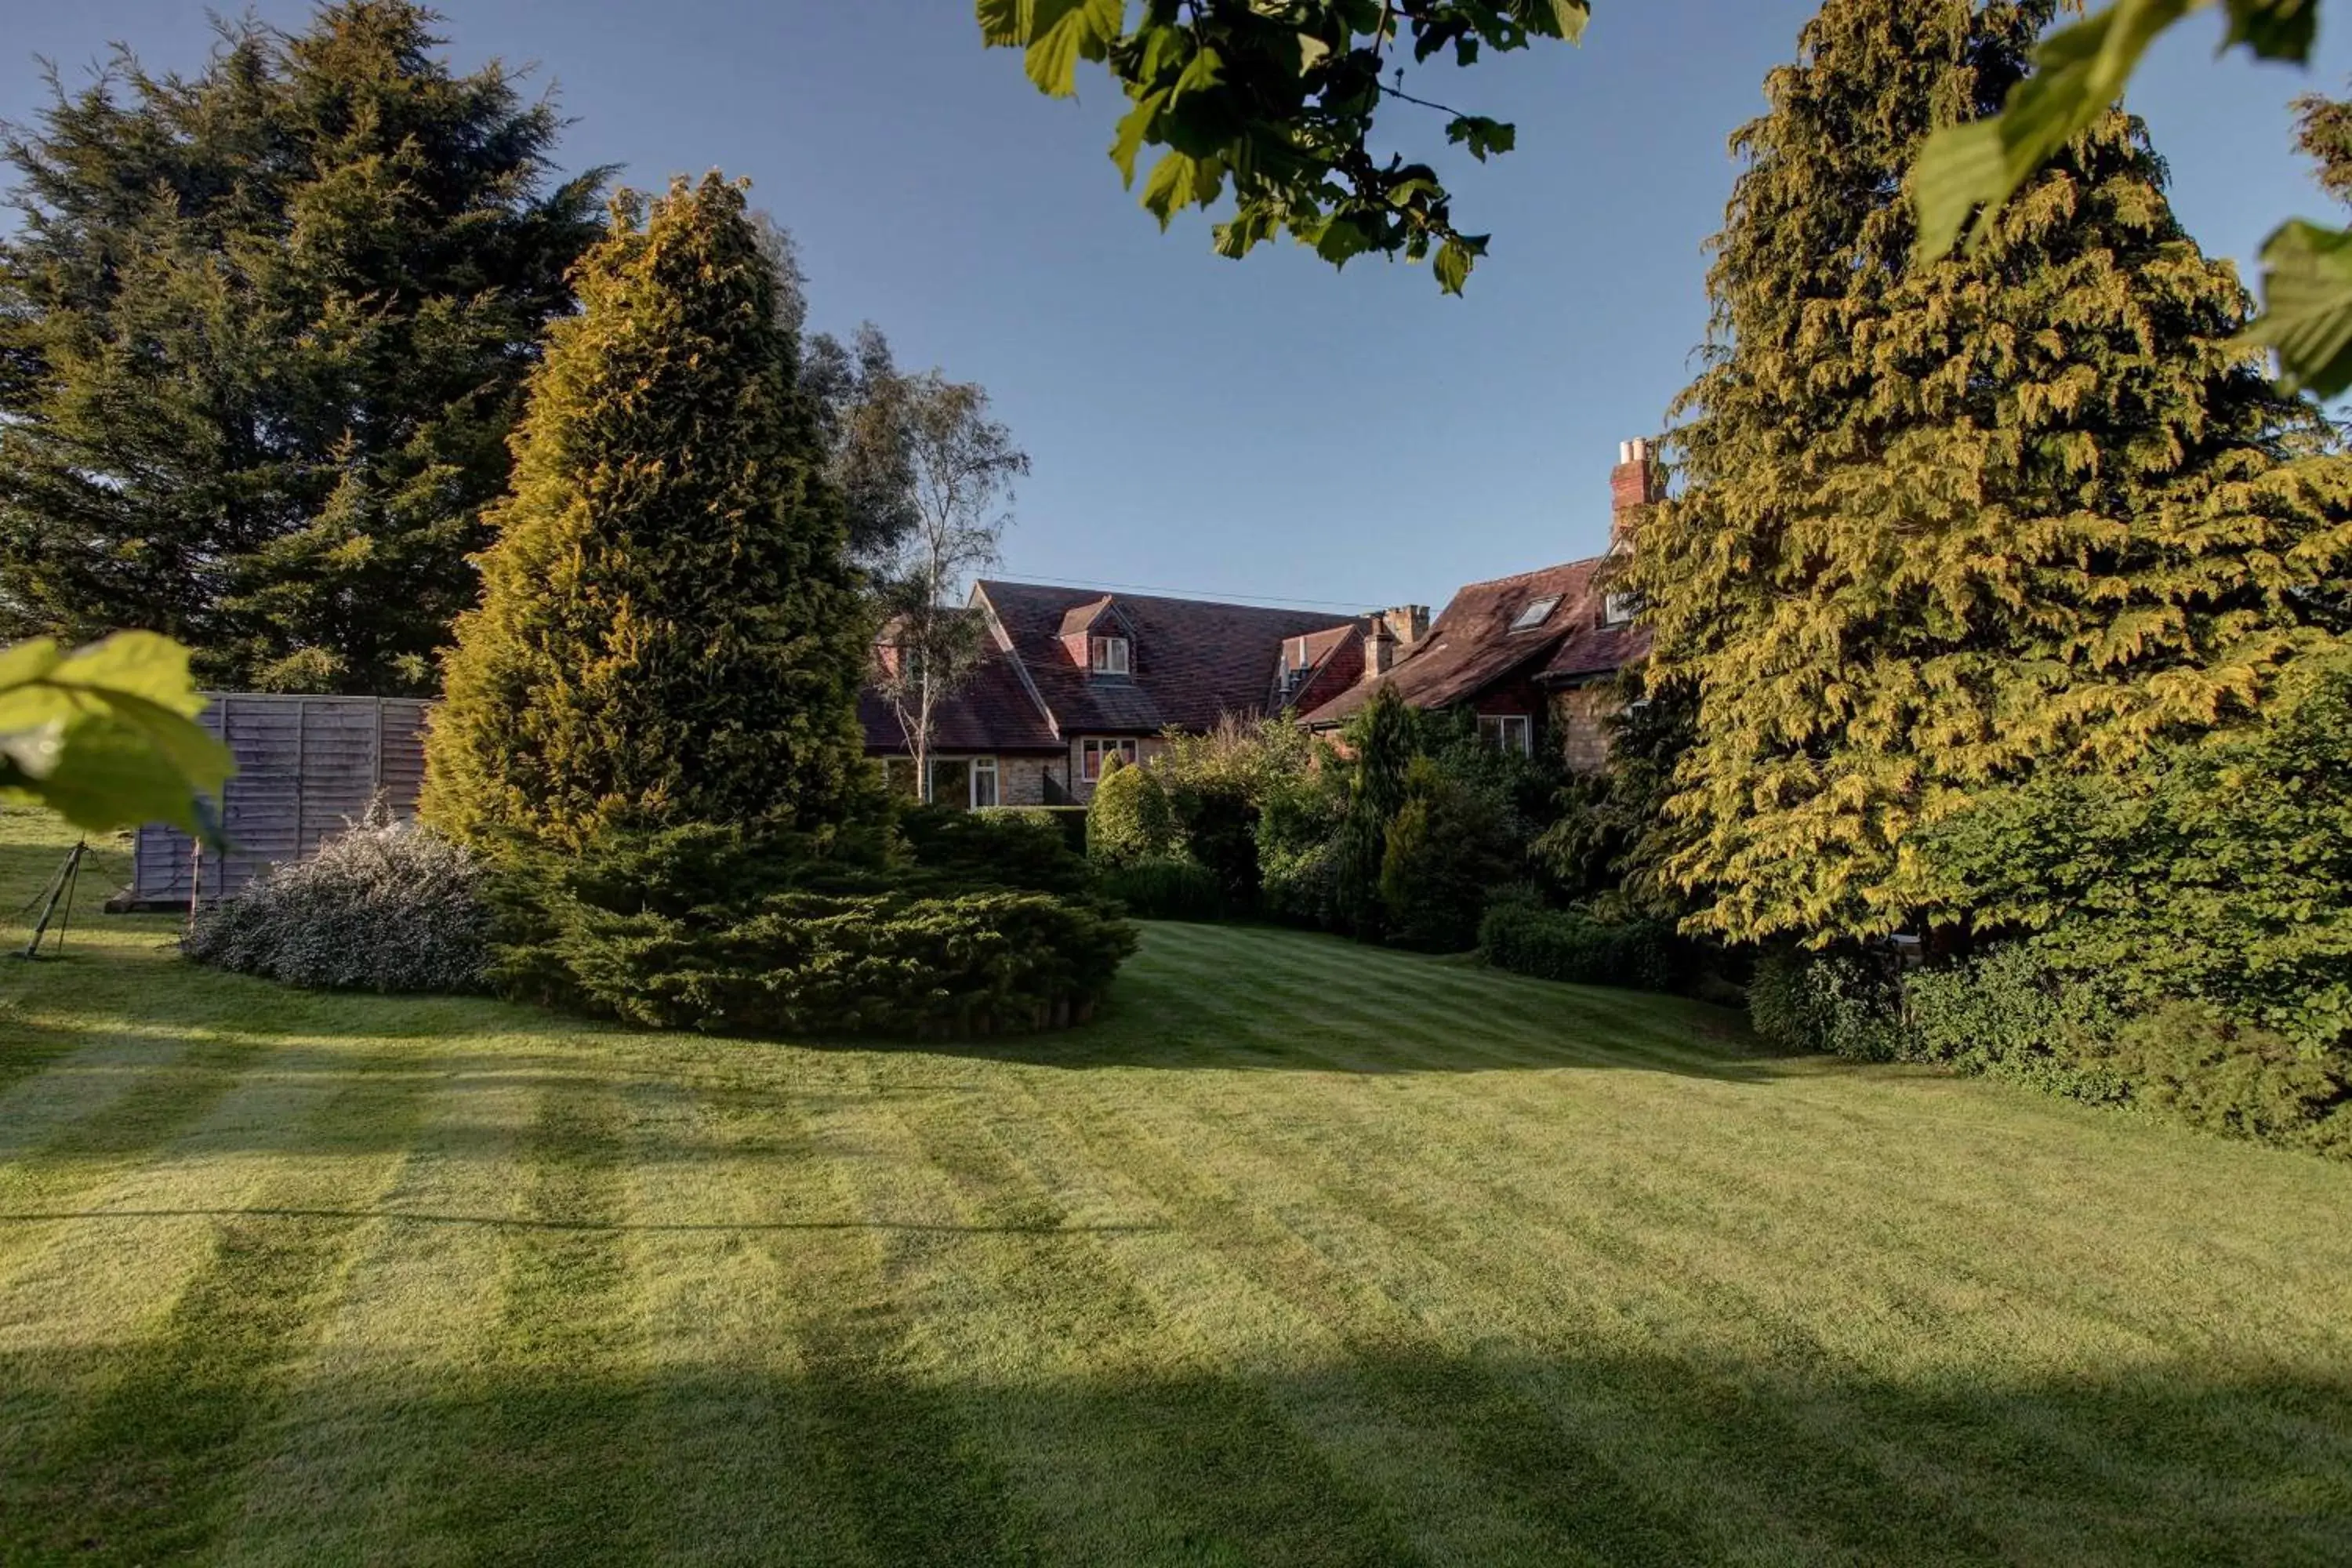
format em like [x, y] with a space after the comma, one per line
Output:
[1194, 661]
[1472, 646]
[992, 712]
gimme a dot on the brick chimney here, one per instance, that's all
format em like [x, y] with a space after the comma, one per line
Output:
[1633, 485]
[1380, 650]
[1407, 623]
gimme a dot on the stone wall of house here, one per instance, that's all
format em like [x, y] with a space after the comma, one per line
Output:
[1578, 724]
[1021, 781]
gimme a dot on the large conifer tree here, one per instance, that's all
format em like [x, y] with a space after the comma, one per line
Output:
[263, 331]
[669, 633]
[1941, 526]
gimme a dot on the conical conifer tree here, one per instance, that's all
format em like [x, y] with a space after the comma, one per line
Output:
[1941, 526]
[669, 633]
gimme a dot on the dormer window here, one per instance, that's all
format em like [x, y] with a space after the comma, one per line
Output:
[1108, 656]
[1536, 613]
[1619, 608]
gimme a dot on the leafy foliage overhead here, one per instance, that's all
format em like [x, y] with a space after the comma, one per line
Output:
[106, 736]
[1278, 98]
[1968, 173]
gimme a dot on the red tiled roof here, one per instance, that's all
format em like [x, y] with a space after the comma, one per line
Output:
[1597, 650]
[1335, 659]
[991, 713]
[1472, 646]
[1194, 661]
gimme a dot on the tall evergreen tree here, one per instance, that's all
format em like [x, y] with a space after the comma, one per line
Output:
[669, 633]
[1383, 742]
[1941, 525]
[263, 332]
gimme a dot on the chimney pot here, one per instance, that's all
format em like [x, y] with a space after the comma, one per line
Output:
[1632, 487]
[1380, 650]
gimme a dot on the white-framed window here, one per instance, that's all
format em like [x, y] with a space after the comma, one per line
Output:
[1619, 608]
[1536, 613]
[1091, 754]
[983, 782]
[1108, 656]
[1508, 733]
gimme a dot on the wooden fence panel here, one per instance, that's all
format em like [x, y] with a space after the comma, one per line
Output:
[306, 766]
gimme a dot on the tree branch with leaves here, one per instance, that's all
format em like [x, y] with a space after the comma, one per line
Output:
[1278, 99]
[961, 462]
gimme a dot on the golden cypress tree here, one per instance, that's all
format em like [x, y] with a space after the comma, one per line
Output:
[669, 633]
[1941, 526]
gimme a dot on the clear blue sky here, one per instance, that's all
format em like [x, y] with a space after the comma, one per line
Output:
[1266, 426]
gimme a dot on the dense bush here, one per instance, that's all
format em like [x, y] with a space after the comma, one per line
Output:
[2218, 872]
[1552, 944]
[1219, 786]
[658, 930]
[971, 849]
[1298, 858]
[1069, 821]
[1844, 1003]
[888, 963]
[1130, 819]
[386, 907]
[1446, 848]
[1166, 890]
[2008, 1014]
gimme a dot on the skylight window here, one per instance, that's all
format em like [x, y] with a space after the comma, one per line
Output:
[1536, 614]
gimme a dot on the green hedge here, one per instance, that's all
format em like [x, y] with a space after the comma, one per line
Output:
[714, 929]
[1552, 944]
[955, 851]
[2010, 1014]
[1166, 890]
[813, 964]
[1069, 821]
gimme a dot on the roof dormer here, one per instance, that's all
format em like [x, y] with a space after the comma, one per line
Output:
[1098, 638]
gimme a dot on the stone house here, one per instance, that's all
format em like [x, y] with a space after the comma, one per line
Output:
[1536, 656]
[1075, 676]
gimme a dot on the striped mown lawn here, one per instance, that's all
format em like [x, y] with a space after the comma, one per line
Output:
[1306, 1254]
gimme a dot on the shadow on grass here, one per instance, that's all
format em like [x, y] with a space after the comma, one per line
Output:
[1402, 1456]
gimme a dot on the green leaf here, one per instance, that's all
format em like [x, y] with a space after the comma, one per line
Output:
[1056, 35]
[1340, 238]
[1134, 130]
[2274, 29]
[1202, 72]
[1169, 189]
[2308, 314]
[1553, 18]
[106, 736]
[1452, 266]
[2078, 72]
[1482, 136]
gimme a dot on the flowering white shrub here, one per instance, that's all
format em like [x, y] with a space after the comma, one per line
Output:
[385, 906]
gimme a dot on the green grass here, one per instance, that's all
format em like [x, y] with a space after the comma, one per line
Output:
[1305, 1253]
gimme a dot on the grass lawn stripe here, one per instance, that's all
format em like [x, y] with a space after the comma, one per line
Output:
[1562, 1460]
[2085, 1443]
[1376, 1188]
[554, 1394]
[1469, 1471]
[724, 1248]
[348, 1467]
[880, 1348]
[151, 1463]
[1814, 1456]
[1222, 1468]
